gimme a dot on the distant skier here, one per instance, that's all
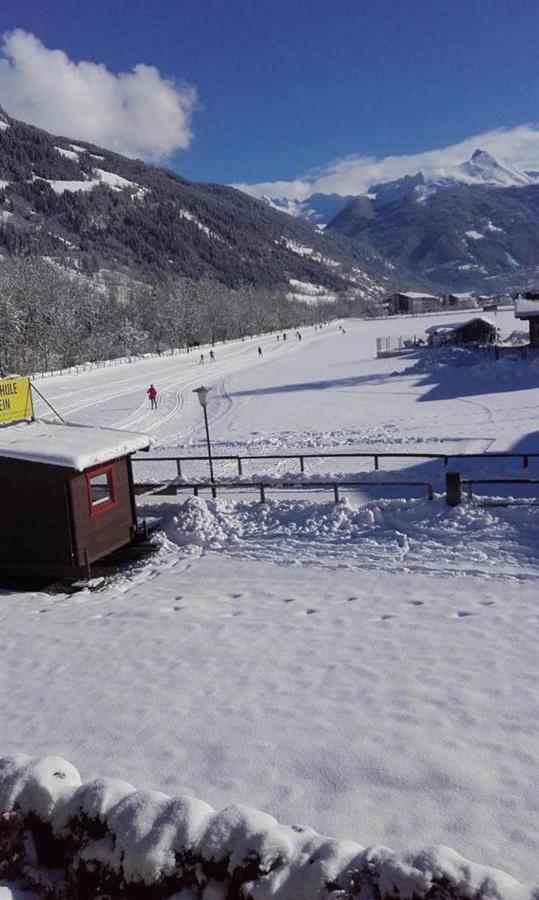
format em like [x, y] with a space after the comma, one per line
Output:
[201, 359]
[260, 351]
[152, 394]
[212, 356]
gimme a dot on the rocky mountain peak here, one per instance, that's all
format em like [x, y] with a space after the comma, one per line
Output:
[483, 157]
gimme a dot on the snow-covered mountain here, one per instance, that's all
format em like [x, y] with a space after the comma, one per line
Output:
[471, 226]
[483, 168]
[318, 209]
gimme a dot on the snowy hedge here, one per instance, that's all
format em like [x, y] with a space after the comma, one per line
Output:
[64, 839]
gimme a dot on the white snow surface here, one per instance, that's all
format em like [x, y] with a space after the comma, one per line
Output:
[11, 892]
[185, 214]
[418, 295]
[101, 176]
[59, 186]
[365, 668]
[309, 293]
[115, 181]
[310, 252]
[73, 446]
[525, 308]
[69, 154]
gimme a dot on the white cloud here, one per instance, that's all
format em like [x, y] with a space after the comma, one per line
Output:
[138, 113]
[354, 174]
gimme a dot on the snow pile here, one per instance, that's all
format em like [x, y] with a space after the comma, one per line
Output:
[508, 369]
[104, 838]
[386, 534]
[481, 366]
[429, 360]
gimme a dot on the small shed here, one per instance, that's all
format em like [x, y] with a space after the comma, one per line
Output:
[527, 307]
[67, 496]
[474, 331]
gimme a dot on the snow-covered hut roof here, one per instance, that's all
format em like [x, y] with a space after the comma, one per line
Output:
[448, 327]
[417, 295]
[71, 446]
[524, 308]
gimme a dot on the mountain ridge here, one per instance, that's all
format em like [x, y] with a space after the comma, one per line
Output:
[470, 226]
[92, 208]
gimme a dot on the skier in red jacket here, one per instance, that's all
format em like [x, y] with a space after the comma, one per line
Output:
[152, 394]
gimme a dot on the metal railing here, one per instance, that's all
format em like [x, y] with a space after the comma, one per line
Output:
[376, 456]
[453, 480]
[470, 482]
[173, 488]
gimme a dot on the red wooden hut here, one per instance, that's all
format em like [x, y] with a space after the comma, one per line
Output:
[67, 496]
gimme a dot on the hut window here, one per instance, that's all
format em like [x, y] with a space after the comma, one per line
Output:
[101, 493]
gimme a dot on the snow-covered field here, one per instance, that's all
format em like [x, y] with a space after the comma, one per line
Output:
[368, 670]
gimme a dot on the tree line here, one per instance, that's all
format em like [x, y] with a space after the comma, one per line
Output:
[53, 318]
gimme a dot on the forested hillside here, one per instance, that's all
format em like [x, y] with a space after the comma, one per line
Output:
[92, 208]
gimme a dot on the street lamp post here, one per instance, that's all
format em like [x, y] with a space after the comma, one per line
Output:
[202, 393]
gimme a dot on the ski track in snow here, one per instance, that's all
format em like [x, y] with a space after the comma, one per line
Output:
[365, 668]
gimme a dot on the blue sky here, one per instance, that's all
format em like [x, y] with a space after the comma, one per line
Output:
[287, 86]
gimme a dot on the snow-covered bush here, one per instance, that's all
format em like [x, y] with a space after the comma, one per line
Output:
[63, 839]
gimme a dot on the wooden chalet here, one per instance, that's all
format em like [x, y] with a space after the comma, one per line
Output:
[406, 302]
[67, 496]
[527, 308]
[474, 331]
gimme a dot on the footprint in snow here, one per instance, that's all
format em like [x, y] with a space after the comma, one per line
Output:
[350, 599]
[387, 616]
[463, 614]
[177, 608]
[309, 612]
[486, 602]
[417, 602]
[288, 600]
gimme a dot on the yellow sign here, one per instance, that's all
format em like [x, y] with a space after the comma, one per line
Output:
[15, 400]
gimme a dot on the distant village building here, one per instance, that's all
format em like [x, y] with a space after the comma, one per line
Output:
[67, 496]
[412, 302]
[477, 330]
[470, 300]
[527, 308]
[463, 300]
